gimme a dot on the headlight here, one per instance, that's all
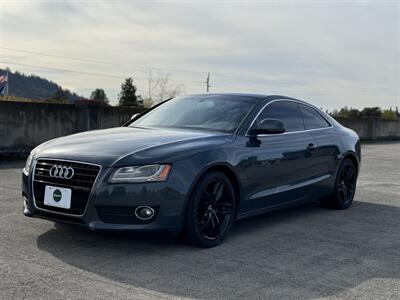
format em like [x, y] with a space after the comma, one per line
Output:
[28, 164]
[148, 173]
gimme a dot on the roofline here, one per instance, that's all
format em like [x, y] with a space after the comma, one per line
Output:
[253, 95]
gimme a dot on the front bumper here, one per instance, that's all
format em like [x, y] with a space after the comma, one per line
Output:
[111, 207]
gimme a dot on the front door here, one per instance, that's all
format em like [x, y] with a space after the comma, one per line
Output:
[279, 167]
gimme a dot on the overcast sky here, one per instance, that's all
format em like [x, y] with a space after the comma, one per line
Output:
[332, 53]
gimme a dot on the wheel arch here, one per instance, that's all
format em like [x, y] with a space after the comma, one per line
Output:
[354, 158]
[227, 170]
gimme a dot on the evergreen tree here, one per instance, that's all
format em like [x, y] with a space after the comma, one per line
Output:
[128, 97]
[99, 95]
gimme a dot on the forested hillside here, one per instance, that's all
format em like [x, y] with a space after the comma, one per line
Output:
[34, 87]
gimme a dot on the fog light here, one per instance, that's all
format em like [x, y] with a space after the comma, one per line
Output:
[144, 212]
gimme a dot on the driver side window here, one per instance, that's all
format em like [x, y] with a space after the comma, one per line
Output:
[285, 111]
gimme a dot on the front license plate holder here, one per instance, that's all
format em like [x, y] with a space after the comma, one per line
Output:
[57, 197]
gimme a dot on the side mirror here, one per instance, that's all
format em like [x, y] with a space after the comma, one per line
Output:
[135, 116]
[269, 126]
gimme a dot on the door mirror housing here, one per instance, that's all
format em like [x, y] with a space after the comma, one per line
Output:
[269, 126]
[135, 116]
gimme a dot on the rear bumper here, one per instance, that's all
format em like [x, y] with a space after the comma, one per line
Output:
[111, 207]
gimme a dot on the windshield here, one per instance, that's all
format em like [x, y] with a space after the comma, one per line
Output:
[206, 112]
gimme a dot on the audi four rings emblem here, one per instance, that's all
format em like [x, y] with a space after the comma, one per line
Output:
[63, 172]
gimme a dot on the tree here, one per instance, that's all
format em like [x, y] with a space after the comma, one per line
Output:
[367, 112]
[99, 95]
[147, 102]
[161, 88]
[354, 113]
[167, 89]
[128, 97]
[389, 114]
[375, 112]
[60, 95]
[346, 113]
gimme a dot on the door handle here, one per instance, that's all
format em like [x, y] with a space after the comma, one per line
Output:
[311, 147]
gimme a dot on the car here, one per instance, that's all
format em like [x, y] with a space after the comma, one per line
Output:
[194, 165]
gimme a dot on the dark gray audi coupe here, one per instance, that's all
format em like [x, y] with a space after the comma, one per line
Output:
[194, 164]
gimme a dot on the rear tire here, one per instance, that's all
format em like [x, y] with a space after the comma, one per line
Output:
[345, 187]
[211, 210]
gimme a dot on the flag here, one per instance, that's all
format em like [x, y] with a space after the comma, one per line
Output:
[3, 83]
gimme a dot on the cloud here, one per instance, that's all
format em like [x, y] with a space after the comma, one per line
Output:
[332, 54]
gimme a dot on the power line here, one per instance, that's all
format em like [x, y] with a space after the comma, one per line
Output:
[253, 79]
[88, 73]
[103, 62]
[64, 70]
[73, 58]
[140, 67]
[197, 83]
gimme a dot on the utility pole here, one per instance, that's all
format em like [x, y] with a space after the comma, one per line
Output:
[7, 82]
[208, 82]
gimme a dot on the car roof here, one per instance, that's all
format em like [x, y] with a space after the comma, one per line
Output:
[254, 97]
[250, 96]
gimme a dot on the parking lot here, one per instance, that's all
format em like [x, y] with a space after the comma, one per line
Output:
[305, 252]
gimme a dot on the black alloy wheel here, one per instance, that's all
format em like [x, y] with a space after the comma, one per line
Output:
[345, 186]
[347, 183]
[211, 210]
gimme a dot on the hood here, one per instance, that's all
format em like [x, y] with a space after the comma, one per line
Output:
[108, 146]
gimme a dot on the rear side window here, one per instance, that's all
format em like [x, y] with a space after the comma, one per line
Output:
[312, 118]
[286, 112]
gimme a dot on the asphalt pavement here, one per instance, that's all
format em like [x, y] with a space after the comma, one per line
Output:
[306, 252]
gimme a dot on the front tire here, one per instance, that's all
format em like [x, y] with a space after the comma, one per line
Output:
[345, 187]
[211, 210]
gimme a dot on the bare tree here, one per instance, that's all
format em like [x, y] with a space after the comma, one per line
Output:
[161, 88]
[151, 84]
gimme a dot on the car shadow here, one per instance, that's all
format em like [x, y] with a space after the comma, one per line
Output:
[301, 252]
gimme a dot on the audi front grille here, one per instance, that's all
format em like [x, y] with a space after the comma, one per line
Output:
[81, 183]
